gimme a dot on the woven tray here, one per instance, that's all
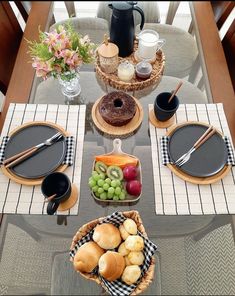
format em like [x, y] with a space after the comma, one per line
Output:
[145, 280]
[135, 83]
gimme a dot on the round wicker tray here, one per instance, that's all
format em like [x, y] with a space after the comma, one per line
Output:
[135, 83]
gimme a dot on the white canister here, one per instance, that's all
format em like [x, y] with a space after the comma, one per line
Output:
[149, 44]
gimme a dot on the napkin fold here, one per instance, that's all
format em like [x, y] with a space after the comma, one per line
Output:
[69, 156]
[118, 287]
[165, 157]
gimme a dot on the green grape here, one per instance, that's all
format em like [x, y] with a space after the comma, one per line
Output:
[94, 173]
[100, 190]
[122, 196]
[97, 194]
[95, 188]
[114, 183]
[106, 186]
[92, 183]
[118, 182]
[102, 176]
[108, 181]
[91, 178]
[96, 177]
[111, 190]
[100, 182]
[118, 190]
[110, 195]
[115, 197]
[124, 191]
[103, 196]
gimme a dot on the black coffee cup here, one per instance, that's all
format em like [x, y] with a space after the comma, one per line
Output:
[164, 110]
[59, 184]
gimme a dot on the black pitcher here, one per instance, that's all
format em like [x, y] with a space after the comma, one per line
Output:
[122, 29]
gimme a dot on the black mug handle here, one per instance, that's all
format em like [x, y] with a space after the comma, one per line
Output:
[137, 8]
[52, 207]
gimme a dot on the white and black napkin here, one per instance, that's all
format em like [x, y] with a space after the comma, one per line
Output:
[69, 156]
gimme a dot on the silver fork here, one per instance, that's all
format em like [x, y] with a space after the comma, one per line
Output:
[185, 157]
[19, 157]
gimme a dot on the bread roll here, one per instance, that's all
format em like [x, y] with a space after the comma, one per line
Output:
[127, 261]
[111, 265]
[136, 258]
[123, 250]
[130, 226]
[123, 232]
[107, 236]
[131, 274]
[87, 257]
[134, 243]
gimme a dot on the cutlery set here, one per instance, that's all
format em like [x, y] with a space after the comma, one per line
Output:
[20, 157]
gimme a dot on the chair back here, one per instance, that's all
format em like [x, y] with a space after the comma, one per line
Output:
[150, 8]
[10, 36]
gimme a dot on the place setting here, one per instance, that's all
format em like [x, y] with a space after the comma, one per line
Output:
[190, 155]
[38, 161]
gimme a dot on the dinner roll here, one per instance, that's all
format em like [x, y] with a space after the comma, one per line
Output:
[130, 226]
[123, 232]
[87, 257]
[107, 236]
[134, 243]
[111, 265]
[127, 261]
[131, 274]
[136, 258]
[123, 250]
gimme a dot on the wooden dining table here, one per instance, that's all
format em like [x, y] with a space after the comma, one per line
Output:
[196, 252]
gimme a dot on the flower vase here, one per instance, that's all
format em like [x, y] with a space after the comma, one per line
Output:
[70, 85]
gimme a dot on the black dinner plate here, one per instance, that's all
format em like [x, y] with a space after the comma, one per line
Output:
[44, 161]
[207, 160]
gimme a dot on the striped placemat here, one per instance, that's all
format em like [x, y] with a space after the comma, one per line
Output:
[21, 199]
[174, 196]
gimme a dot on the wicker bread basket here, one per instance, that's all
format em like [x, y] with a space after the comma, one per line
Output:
[135, 84]
[86, 228]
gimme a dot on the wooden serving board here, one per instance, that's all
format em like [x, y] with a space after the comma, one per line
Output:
[124, 130]
[196, 180]
[31, 182]
[117, 150]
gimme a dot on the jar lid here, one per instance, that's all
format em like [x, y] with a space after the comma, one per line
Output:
[144, 67]
[108, 49]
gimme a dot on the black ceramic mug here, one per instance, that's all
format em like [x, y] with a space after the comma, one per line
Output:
[164, 110]
[59, 184]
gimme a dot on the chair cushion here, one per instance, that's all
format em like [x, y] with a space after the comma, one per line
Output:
[180, 48]
[94, 27]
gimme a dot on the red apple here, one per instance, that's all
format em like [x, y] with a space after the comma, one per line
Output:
[133, 187]
[130, 172]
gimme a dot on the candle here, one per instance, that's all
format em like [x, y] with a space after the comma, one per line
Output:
[125, 71]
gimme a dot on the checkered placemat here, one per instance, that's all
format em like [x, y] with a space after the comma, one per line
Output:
[118, 287]
[21, 199]
[174, 196]
[68, 159]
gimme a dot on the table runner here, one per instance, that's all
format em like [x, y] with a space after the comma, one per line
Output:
[21, 199]
[174, 196]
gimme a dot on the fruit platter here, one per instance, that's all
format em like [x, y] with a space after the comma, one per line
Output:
[116, 176]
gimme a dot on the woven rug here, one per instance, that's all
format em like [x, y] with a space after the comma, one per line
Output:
[173, 195]
[21, 199]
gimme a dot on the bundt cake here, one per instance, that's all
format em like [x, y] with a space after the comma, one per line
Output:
[117, 108]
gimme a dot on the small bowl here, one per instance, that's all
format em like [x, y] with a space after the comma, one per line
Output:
[143, 70]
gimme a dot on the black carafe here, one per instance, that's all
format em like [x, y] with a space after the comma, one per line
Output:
[122, 29]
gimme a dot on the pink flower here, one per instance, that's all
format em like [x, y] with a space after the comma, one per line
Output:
[71, 58]
[42, 67]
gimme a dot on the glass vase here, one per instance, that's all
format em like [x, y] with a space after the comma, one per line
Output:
[70, 85]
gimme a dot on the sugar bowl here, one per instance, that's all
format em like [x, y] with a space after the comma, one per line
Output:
[108, 56]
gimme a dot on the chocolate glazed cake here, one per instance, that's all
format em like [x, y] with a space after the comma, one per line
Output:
[117, 108]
